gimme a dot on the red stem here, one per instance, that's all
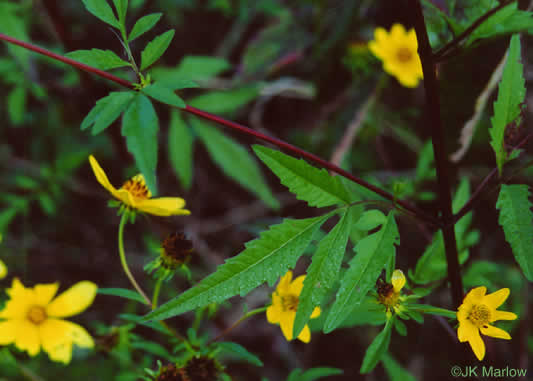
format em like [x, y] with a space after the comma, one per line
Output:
[236, 126]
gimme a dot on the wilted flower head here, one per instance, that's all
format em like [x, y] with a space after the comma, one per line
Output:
[389, 293]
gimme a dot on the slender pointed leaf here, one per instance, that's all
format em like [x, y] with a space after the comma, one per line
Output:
[180, 148]
[102, 10]
[372, 254]
[377, 349]
[264, 260]
[100, 59]
[122, 7]
[235, 161]
[317, 373]
[140, 126]
[163, 94]
[323, 271]
[155, 48]
[315, 186]
[516, 218]
[107, 110]
[122, 293]
[240, 352]
[143, 25]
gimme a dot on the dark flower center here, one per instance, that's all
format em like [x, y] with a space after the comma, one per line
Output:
[404, 54]
[137, 187]
[36, 314]
[479, 315]
[289, 302]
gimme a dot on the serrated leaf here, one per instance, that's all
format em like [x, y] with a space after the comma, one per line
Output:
[180, 148]
[163, 94]
[107, 110]
[235, 161]
[507, 20]
[155, 48]
[371, 219]
[140, 126]
[377, 348]
[315, 186]
[122, 293]
[220, 102]
[516, 218]
[143, 25]
[264, 259]
[323, 271]
[122, 7]
[102, 10]
[240, 352]
[372, 254]
[100, 59]
[511, 93]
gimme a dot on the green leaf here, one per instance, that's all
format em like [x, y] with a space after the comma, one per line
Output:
[220, 102]
[394, 369]
[240, 352]
[143, 25]
[139, 126]
[432, 265]
[163, 94]
[315, 186]
[316, 373]
[14, 25]
[153, 348]
[155, 48]
[180, 148]
[507, 20]
[377, 349]
[100, 59]
[372, 254]
[235, 161]
[103, 11]
[369, 312]
[195, 68]
[516, 218]
[107, 110]
[507, 107]
[122, 293]
[122, 7]
[16, 104]
[323, 271]
[264, 259]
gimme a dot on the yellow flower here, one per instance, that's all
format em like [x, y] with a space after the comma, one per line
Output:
[284, 304]
[3, 269]
[475, 314]
[31, 319]
[135, 194]
[398, 51]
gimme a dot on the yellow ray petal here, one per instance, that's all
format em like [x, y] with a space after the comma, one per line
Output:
[284, 283]
[101, 176]
[492, 331]
[274, 313]
[305, 335]
[163, 206]
[7, 331]
[316, 313]
[44, 293]
[287, 323]
[73, 301]
[27, 337]
[475, 295]
[21, 299]
[497, 298]
[502, 315]
[477, 345]
[3, 269]
[466, 330]
[297, 285]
